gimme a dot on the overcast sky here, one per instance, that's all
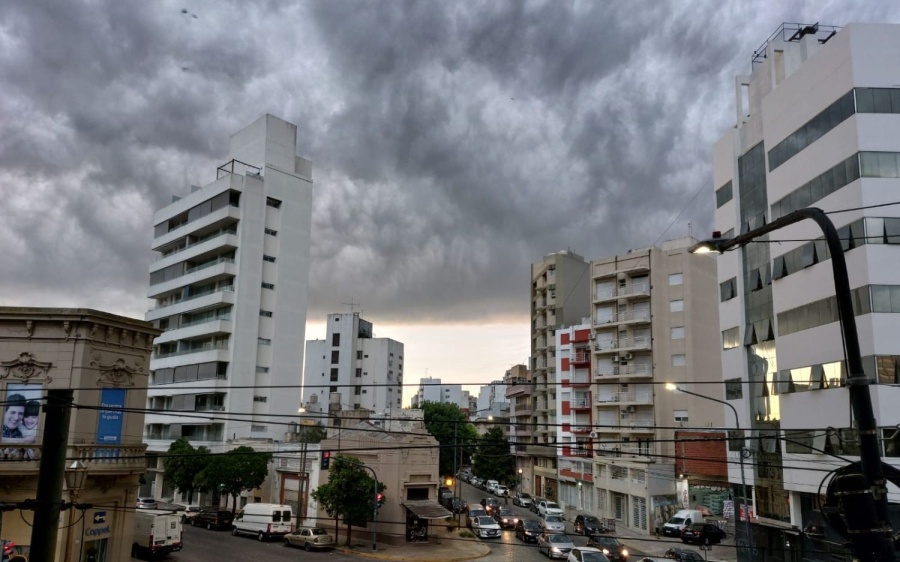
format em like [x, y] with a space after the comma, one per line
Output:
[453, 143]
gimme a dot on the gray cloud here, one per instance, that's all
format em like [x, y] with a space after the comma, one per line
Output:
[453, 143]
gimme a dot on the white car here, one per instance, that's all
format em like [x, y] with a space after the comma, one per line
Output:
[586, 554]
[547, 507]
[486, 527]
[490, 485]
[522, 499]
[554, 524]
[501, 490]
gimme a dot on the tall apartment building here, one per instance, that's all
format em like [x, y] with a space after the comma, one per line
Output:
[518, 393]
[366, 371]
[491, 400]
[655, 320]
[574, 414]
[818, 125]
[559, 293]
[433, 390]
[230, 284]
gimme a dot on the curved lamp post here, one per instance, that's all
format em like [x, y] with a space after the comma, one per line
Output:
[75, 475]
[874, 543]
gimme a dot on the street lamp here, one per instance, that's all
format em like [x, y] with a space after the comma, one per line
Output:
[75, 475]
[876, 541]
[737, 425]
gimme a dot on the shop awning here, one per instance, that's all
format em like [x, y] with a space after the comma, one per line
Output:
[427, 509]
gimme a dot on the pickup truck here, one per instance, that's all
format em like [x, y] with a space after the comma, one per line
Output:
[679, 554]
[547, 507]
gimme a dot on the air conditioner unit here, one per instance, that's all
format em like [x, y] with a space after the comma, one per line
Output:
[592, 336]
[628, 357]
[616, 358]
[631, 409]
[593, 435]
[597, 346]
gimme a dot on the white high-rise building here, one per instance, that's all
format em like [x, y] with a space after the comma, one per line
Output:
[230, 284]
[366, 372]
[818, 125]
[433, 390]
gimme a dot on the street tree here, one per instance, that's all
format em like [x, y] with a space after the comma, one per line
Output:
[183, 463]
[231, 473]
[493, 458]
[349, 492]
[311, 433]
[457, 437]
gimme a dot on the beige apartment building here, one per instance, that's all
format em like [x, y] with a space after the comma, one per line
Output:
[560, 289]
[105, 359]
[654, 320]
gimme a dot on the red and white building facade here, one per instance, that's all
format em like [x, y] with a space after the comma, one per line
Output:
[575, 423]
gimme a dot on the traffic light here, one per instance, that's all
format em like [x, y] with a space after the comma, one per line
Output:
[326, 460]
[379, 500]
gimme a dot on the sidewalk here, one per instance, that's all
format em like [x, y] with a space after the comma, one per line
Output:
[441, 548]
[657, 546]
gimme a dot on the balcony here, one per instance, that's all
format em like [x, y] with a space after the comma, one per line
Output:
[606, 371]
[112, 459]
[547, 450]
[633, 317]
[197, 329]
[612, 294]
[581, 377]
[639, 343]
[222, 268]
[627, 451]
[617, 398]
[199, 302]
[220, 218]
[580, 404]
[581, 357]
[580, 429]
[225, 239]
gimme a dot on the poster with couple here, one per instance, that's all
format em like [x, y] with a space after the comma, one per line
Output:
[21, 413]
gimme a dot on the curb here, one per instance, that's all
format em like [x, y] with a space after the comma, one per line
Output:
[485, 550]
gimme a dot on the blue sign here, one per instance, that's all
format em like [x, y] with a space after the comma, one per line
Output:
[109, 422]
[100, 517]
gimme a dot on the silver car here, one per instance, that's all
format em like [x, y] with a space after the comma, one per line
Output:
[555, 545]
[554, 524]
[486, 527]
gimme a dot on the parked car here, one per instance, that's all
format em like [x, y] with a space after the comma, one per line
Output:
[679, 554]
[546, 507]
[528, 530]
[588, 525]
[456, 505]
[522, 499]
[555, 545]
[475, 481]
[489, 485]
[473, 514]
[611, 547]
[702, 533]
[535, 501]
[490, 505]
[506, 517]
[146, 503]
[189, 512]
[554, 524]
[485, 527]
[501, 490]
[213, 518]
[309, 538]
[586, 554]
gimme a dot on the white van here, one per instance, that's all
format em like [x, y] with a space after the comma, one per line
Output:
[157, 533]
[263, 520]
[683, 518]
[489, 485]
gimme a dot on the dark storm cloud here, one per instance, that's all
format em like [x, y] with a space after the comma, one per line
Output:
[453, 143]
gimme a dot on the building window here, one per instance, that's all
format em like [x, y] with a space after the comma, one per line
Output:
[334, 375]
[681, 415]
[358, 354]
[270, 259]
[271, 232]
[676, 279]
[262, 399]
[678, 360]
[273, 202]
[266, 313]
[358, 372]
[270, 286]
[676, 306]
[734, 390]
[264, 341]
[724, 194]
[335, 356]
[332, 389]
[678, 333]
[335, 340]
[258, 428]
[728, 289]
[262, 369]
[357, 390]
[731, 338]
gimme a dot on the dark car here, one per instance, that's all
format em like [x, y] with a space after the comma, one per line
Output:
[683, 555]
[529, 530]
[702, 533]
[213, 518]
[587, 525]
[455, 504]
[491, 505]
[506, 517]
[534, 503]
[611, 547]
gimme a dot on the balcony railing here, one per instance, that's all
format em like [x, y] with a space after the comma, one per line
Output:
[622, 450]
[619, 397]
[210, 347]
[580, 429]
[615, 318]
[623, 371]
[216, 234]
[581, 377]
[581, 357]
[195, 269]
[639, 342]
[229, 289]
[579, 403]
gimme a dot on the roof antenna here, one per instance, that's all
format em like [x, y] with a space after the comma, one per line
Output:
[352, 304]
